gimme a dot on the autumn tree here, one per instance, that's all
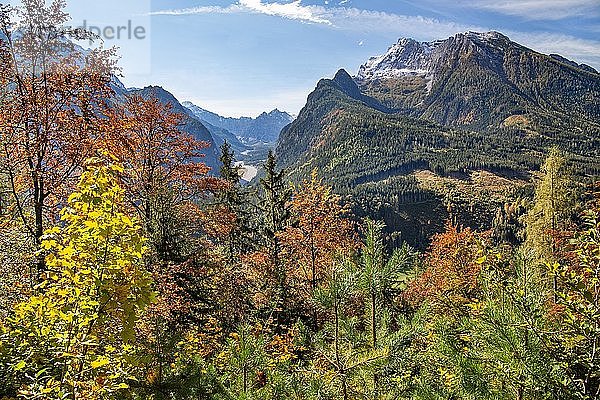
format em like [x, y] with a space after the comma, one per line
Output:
[74, 338]
[164, 180]
[578, 297]
[164, 172]
[321, 232]
[451, 277]
[52, 94]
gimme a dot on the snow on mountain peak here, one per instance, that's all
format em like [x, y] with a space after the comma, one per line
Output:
[406, 57]
[409, 57]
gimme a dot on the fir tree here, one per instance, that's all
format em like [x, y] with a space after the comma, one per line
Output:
[274, 204]
[234, 201]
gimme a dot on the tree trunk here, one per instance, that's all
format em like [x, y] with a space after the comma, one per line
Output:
[374, 336]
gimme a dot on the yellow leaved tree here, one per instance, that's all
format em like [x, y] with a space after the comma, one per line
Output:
[74, 338]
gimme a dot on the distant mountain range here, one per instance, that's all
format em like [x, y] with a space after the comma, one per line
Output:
[211, 127]
[265, 128]
[402, 138]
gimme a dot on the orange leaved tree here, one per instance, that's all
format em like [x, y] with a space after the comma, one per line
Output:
[163, 164]
[453, 265]
[322, 232]
[51, 94]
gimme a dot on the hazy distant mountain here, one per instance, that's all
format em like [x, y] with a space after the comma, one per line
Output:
[388, 138]
[191, 124]
[264, 128]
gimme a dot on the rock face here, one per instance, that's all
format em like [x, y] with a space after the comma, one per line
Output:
[478, 80]
[407, 57]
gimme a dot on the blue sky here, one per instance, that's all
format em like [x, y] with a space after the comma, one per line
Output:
[242, 57]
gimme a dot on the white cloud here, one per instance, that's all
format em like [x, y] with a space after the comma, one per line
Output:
[294, 10]
[200, 10]
[417, 27]
[539, 9]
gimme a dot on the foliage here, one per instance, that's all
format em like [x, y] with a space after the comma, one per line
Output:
[321, 233]
[217, 290]
[74, 338]
[51, 97]
[579, 299]
[451, 277]
[553, 206]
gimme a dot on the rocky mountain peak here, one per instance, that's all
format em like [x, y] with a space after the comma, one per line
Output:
[409, 57]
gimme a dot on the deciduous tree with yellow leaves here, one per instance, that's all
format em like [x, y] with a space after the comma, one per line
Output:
[73, 338]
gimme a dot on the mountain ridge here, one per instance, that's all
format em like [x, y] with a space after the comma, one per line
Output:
[264, 128]
[434, 79]
[491, 107]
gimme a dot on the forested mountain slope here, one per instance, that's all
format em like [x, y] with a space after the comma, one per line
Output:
[475, 102]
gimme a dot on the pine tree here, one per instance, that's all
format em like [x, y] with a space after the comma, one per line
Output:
[229, 171]
[376, 279]
[321, 232]
[343, 348]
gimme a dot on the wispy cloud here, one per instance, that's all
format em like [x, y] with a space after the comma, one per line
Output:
[346, 18]
[201, 10]
[539, 9]
[418, 27]
[294, 10]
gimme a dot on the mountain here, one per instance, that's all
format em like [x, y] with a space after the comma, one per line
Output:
[265, 128]
[480, 81]
[453, 129]
[221, 135]
[191, 124]
[201, 130]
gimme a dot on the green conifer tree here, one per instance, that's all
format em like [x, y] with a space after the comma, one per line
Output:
[234, 198]
[275, 215]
